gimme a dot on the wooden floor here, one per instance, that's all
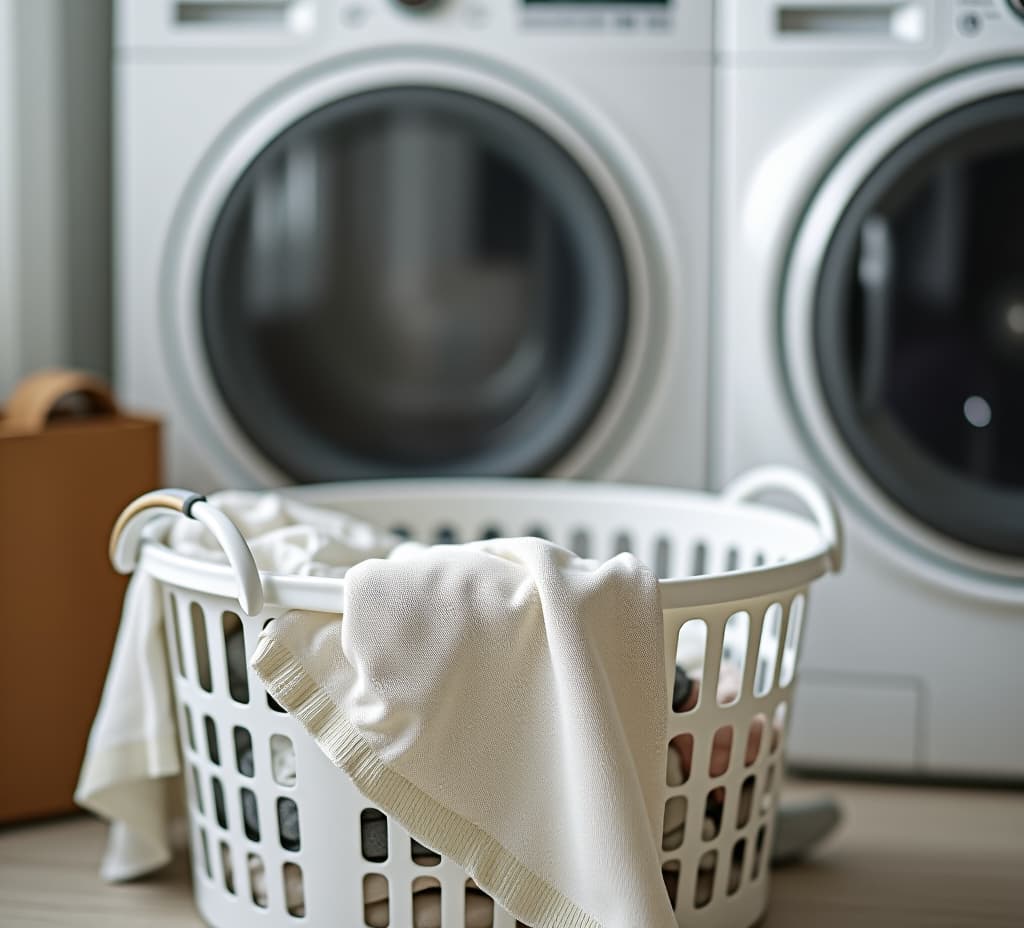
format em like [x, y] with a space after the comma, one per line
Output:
[906, 857]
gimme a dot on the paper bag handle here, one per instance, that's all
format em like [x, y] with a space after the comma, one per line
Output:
[33, 400]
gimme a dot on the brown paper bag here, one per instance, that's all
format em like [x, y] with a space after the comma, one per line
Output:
[63, 480]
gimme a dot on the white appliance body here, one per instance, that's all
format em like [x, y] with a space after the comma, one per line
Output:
[623, 92]
[914, 667]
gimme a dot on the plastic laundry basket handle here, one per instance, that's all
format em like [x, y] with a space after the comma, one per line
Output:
[783, 479]
[126, 538]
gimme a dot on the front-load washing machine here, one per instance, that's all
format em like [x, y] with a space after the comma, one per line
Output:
[869, 326]
[362, 238]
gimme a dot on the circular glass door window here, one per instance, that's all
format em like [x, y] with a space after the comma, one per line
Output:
[413, 281]
[919, 324]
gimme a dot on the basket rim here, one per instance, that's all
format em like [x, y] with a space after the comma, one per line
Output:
[326, 594]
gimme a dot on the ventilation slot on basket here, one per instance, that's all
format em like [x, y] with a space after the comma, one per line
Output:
[674, 825]
[778, 726]
[294, 890]
[175, 635]
[662, 557]
[792, 645]
[423, 856]
[768, 652]
[234, 652]
[680, 759]
[446, 535]
[683, 690]
[376, 902]
[768, 796]
[755, 737]
[721, 751]
[190, 732]
[200, 647]
[579, 542]
[282, 760]
[197, 789]
[219, 806]
[401, 531]
[537, 531]
[746, 802]
[670, 874]
[250, 814]
[227, 868]
[758, 852]
[204, 844]
[691, 648]
[491, 532]
[705, 879]
[288, 824]
[736, 867]
[243, 751]
[479, 906]
[700, 559]
[257, 880]
[426, 901]
[212, 747]
[734, 658]
[732, 558]
[712, 824]
[373, 827]
[621, 543]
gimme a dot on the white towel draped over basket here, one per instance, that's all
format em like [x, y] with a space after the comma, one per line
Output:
[505, 702]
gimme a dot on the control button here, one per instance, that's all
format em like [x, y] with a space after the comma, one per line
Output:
[625, 22]
[969, 24]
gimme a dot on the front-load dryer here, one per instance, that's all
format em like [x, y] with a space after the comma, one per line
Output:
[362, 238]
[869, 327]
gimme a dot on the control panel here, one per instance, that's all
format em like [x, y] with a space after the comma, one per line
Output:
[683, 24]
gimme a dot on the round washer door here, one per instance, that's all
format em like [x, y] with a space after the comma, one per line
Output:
[906, 341]
[413, 280]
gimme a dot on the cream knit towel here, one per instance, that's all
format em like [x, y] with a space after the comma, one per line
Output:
[505, 701]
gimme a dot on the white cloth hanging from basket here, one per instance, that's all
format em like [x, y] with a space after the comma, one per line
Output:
[131, 762]
[132, 754]
[504, 700]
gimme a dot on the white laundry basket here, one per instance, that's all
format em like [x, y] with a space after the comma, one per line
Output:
[738, 575]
